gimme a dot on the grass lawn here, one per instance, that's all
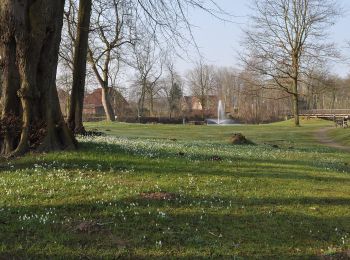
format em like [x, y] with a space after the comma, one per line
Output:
[341, 135]
[163, 191]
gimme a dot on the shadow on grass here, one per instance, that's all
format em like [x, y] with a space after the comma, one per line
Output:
[203, 156]
[119, 161]
[187, 232]
[113, 151]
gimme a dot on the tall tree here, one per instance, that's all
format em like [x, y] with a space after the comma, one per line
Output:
[148, 66]
[111, 23]
[285, 36]
[30, 37]
[29, 45]
[69, 35]
[172, 87]
[116, 22]
[202, 82]
[75, 117]
[228, 87]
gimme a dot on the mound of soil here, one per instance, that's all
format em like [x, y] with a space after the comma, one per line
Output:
[240, 139]
[88, 227]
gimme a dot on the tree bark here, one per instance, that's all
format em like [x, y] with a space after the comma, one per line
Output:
[10, 85]
[151, 104]
[203, 104]
[103, 80]
[295, 98]
[107, 105]
[30, 34]
[75, 118]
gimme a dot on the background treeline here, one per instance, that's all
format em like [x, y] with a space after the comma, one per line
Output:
[116, 59]
[139, 80]
[169, 95]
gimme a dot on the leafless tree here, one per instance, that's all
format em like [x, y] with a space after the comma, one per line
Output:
[69, 33]
[75, 118]
[172, 86]
[64, 87]
[112, 28]
[148, 64]
[228, 88]
[201, 81]
[29, 45]
[285, 36]
[258, 104]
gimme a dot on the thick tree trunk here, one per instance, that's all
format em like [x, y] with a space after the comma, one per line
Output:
[107, 105]
[10, 101]
[30, 37]
[75, 118]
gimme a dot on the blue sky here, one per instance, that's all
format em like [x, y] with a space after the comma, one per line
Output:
[219, 41]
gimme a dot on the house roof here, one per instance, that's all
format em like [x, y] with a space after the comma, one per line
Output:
[94, 98]
[193, 99]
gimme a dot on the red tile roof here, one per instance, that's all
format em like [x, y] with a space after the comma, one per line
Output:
[94, 98]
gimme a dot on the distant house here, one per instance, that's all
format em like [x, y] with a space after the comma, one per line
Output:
[193, 108]
[93, 106]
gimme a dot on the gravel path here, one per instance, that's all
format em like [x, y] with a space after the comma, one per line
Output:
[322, 136]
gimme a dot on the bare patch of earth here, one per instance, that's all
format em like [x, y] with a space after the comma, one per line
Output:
[337, 256]
[158, 195]
[323, 138]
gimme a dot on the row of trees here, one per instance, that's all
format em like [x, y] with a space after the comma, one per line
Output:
[240, 93]
[29, 45]
[285, 51]
[285, 41]
[286, 38]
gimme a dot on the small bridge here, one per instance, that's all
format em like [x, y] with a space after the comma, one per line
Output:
[325, 113]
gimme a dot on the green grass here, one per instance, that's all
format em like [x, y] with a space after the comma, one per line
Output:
[341, 135]
[256, 202]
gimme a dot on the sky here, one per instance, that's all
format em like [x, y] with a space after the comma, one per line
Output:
[219, 41]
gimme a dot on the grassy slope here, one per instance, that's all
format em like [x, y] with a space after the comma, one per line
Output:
[341, 135]
[258, 201]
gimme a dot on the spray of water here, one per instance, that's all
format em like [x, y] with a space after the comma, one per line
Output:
[221, 112]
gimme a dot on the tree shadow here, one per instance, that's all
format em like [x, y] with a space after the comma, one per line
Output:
[186, 229]
[118, 160]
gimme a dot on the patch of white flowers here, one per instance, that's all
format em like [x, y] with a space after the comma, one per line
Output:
[196, 151]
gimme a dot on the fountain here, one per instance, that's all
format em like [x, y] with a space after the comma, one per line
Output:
[221, 119]
[221, 113]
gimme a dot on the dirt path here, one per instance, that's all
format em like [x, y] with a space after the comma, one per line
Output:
[322, 137]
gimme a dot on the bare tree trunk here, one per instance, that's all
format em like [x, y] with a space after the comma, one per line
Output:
[31, 33]
[75, 118]
[170, 113]
[295, 98]
[203, 104]
[107, 105]
[151, 105]
[142, 103]
[10, 86]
